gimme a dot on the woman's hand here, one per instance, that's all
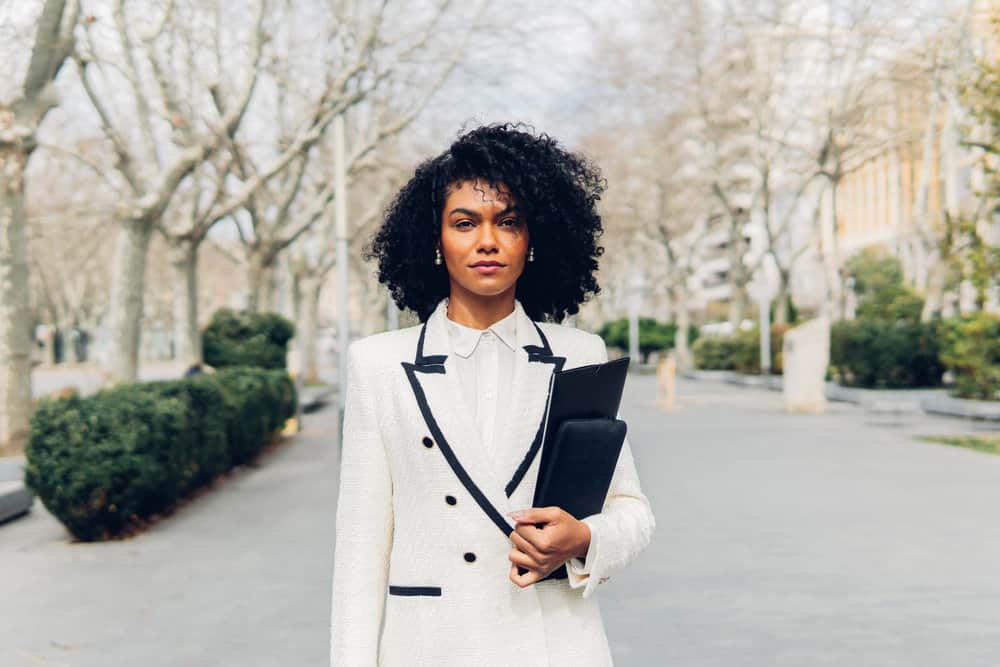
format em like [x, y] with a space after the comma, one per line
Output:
[544, 539]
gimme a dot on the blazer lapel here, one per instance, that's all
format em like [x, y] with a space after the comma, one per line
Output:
[439, 396]
[517, 458]
[510, 480]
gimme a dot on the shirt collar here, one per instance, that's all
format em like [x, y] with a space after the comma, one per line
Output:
[465, 339]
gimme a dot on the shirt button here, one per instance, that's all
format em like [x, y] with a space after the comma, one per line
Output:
[428, 442]
[450, 500]
[470, 557]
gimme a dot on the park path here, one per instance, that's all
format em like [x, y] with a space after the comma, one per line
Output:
[781, 541]
[802, 541]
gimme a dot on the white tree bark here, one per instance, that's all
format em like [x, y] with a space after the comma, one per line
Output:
[128, 281]
[187, 335]
[929, 250]
[259, 285]
[15, 336]
[308, 326]
[682, 317]
[19, 122]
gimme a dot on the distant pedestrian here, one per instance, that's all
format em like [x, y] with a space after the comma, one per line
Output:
[442, 422]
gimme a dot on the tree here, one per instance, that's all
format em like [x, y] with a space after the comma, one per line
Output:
[162, 119]
[981, 95]
[404, 67]
[882, 292]
[20, 118]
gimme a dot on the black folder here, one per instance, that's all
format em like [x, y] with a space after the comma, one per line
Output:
[582, 440]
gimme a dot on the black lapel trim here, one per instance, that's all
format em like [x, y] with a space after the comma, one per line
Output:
[541, 354]
[435, 364]
[430, 591]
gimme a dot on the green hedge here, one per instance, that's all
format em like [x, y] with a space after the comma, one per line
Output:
[882, 353]
[716, 353]
[739, 352]
[241, 338]
[104, 464]
[970, 348]
[653, 335]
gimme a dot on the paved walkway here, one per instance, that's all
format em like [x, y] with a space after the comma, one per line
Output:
[781, 541]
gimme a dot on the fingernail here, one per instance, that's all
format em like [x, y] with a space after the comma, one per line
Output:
[516, 514]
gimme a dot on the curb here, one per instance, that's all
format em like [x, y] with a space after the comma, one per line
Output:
[873, 399]
[15, 498]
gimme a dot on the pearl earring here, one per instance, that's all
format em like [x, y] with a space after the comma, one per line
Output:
[531, 253]
[437, 256]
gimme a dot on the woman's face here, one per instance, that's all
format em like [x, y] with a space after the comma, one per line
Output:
[484, 239]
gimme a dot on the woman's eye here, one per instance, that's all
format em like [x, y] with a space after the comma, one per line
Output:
[513, 222]
[464, 223]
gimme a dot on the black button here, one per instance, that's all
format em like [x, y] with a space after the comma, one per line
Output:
[470, 557]
[428, 442]
[450, 500]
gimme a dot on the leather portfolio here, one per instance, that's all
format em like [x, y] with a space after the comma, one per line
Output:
[582, 440]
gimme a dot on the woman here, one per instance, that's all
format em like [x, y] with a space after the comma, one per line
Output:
[443, 423]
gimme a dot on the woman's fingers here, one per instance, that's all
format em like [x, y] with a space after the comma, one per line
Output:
[522, 559]
[540, 539]
[526, 579]
[527, 547]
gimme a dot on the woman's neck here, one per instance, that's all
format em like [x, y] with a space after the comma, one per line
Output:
[479, 312]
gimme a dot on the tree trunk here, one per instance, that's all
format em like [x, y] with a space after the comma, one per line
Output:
[268, 300]
[187, 336]
[307, 327]
[783, 297]
[256, 282]
[935, 288]
[835, 306]
[682, 351]
[935, 269]
[781, 306]
[128, 282]
[737, 305]
[15, 308]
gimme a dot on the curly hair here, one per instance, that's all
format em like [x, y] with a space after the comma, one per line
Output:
[557, 190]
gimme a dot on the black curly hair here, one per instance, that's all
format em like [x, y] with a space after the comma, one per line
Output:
[557, 190]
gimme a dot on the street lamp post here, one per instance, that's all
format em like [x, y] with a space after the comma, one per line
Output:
[340, 215]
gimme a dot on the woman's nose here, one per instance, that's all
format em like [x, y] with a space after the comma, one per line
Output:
[487, 237]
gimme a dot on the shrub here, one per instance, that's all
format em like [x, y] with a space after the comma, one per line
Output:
[715, 353]
[653, 335]
[246, 339]
[880, 353]
[879, 285]
[739, 352]
[256, 403]
[104, 464]
[970, 348]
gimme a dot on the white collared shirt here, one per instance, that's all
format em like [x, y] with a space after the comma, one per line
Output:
[484, 360]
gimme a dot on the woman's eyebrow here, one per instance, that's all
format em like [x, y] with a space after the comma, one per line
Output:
[465, 211]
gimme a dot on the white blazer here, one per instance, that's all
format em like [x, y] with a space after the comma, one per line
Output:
[420, 562]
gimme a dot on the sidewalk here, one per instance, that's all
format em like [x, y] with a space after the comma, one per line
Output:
[781, 541]
[237, 576]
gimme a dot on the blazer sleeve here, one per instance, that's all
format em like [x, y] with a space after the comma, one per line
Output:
[621, 530]
[364, 528]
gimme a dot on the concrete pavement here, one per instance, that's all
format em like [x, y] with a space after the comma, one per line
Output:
[781, 541]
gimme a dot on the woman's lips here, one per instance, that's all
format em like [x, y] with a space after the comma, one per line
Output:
[487, 269]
